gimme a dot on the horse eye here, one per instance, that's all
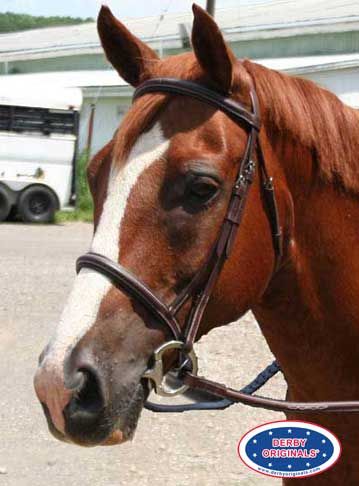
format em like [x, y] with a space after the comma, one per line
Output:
[202, 190]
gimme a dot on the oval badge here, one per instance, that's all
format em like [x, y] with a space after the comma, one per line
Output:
[289, 448]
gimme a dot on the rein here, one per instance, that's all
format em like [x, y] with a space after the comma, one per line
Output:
[200, 288]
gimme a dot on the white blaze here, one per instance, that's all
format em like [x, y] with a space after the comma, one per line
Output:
[91, 287]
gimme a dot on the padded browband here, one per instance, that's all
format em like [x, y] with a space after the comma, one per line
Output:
[190, 88]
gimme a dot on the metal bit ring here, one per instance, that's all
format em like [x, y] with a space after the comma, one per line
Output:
[156, 375]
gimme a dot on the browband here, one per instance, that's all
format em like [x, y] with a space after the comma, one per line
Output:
[190, 88]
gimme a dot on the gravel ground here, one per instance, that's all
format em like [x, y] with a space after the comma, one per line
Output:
[197, 449]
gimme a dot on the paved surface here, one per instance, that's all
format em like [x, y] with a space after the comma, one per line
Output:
[197, 449]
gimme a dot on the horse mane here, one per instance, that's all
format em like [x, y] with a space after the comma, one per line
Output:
[314, 118]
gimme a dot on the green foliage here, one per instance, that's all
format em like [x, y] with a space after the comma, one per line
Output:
[12, 22]
[84, 205]
[77, 215]
[84, 198]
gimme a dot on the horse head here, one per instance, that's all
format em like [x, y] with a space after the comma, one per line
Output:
[161, 189]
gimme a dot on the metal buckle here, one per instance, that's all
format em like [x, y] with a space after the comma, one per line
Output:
[156, 376]
[269, 184]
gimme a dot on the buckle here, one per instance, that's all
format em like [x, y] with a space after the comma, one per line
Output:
[268, 185]
[244, 179]
[249, 171]
[156, 376]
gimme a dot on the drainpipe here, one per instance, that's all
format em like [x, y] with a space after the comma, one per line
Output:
[90, 129]
[211, 4]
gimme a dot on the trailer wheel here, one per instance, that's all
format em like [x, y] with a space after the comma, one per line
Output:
[5, 205]
[37, 204]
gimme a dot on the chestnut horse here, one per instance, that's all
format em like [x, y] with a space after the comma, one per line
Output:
[161, 188]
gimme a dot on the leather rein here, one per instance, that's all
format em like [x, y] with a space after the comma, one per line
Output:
[200, 288]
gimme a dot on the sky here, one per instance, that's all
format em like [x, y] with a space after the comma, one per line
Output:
[121, 8]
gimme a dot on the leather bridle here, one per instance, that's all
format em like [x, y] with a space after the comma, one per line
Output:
[199, 290]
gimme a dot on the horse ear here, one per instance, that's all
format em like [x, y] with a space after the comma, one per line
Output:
[128, 55]
[211, 50]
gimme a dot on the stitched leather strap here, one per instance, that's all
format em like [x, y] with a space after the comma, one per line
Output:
[129, 284]
[200, 92]
[199, 383]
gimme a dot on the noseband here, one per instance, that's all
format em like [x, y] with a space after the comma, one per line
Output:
[199, 290]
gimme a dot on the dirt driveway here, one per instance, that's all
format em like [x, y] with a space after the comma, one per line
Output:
[197, 449]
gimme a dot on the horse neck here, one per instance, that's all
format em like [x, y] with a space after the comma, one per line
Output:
[310, 311]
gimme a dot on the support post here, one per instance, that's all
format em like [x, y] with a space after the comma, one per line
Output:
[210, 7]
[90, 129]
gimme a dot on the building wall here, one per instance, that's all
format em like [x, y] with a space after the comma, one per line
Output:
[62, 63]
[341, 81]
[109, 112]
[300, 45]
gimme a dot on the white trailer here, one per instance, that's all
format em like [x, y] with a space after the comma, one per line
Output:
[38, 142]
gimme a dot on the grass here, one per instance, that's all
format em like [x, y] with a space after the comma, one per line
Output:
[84, 206]
[77, 215]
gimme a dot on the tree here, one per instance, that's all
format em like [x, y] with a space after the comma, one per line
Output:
[12, 22]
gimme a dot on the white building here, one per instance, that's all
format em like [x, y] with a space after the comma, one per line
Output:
[318, 40]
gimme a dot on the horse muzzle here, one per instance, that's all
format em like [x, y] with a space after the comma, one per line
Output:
[81, 407]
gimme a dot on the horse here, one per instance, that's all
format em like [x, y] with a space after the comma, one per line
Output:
[161, 188]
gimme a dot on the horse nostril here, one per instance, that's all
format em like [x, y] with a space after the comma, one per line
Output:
[87, 400]
[77, 380]
[90, 396]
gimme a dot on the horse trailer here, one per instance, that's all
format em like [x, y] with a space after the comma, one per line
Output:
[38, 149]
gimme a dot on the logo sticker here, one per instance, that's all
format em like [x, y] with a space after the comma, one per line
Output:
[289, 448]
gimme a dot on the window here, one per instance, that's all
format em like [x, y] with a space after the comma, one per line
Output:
[39, 120]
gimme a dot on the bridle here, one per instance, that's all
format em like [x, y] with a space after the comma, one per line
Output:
[200, 288]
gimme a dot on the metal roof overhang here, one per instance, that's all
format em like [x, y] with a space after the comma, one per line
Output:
[175, 41]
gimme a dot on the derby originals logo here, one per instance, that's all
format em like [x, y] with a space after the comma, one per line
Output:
[289, 449]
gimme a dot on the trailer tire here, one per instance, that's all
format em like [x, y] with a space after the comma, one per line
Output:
[5, 205]
[37, 204]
